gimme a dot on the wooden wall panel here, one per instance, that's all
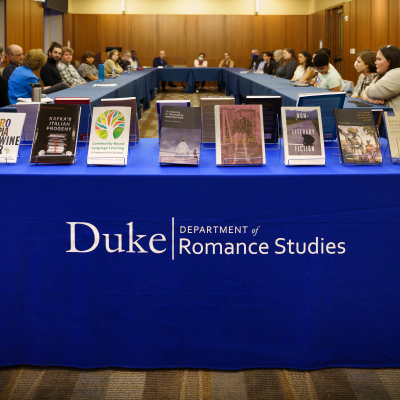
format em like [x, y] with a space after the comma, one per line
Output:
[193, 41]
[379, 23]
[172, 38]
[239, 30]
[106, 32]
[296, 32]
[275, 32]
[260, 33]
[143, 34]
[84, 35]
[36, 26]
[310, 32]
[393, 19]
[349, 41]
[363, 24]
[68, 30]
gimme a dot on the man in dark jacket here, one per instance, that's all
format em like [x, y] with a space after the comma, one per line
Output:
[160, 62]
[255, 58]
[49, 73]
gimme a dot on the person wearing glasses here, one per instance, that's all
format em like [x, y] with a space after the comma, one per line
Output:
[4, 100]
[15, 54]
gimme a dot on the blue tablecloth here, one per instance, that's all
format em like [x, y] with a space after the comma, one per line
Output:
[154, 307]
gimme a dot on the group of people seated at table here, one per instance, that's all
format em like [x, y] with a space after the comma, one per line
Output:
[378, 83]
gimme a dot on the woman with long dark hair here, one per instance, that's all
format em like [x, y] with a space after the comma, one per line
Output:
[305, 71]
[288, 66]
[385, 89]
[366, 67]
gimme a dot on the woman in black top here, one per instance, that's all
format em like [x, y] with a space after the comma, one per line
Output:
[4, 100]
[288, 66]
[270, 65]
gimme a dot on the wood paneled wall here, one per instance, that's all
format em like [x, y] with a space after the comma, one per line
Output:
[24, 24]
[183, 37]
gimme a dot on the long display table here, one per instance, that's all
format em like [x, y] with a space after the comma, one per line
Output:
[217, 267]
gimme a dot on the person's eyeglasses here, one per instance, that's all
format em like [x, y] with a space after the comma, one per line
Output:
[18, 55]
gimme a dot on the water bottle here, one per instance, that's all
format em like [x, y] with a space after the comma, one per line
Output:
[113, 72]
[129, 69]
[36, 92]
[101, 72]
[254, 67]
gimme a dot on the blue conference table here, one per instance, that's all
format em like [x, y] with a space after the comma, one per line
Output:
[147, 266]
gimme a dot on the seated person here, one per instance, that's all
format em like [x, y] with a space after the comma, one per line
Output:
[385, 89]
[305, 71]
[278, 58]
[68, 72]
[134, 59]
[255, 58]
[4, 100]
[22, 77]
[161, 62]
[261, 64]
[367, 69]
[270, 64]
[198, 63]
[288, 65]
[112, 62]
[226, 62]
[87, 70]
[328, 78]
[126, 60]
[50, 74]
[15, 54]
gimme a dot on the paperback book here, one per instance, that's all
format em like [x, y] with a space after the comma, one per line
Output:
[271, 106]
[162, 103]
[303, 136]
[11, 126]
[56, 134]
[180, 135]
[239, 135]
[31, 111]
[328, 102]
[392, 126]
[357, 137]
[207, 105]
[84, 103]
[134, 135]
[109, 136]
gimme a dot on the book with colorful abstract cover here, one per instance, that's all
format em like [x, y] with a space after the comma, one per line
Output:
[357, 137]
[109, 136]
[239, 132]
[56, 134]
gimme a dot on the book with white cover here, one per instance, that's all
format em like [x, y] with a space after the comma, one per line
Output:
[392, 127]
[327, 101]
[303, 137]
[109, 136]
[11, 125]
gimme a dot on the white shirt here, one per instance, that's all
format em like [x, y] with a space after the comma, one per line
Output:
[196, 63]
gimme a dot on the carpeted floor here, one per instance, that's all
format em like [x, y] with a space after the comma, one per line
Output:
[35, 383]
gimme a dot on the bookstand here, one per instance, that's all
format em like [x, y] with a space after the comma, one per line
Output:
[37, 158]
[137, 135]
[87, 131]
[366, 159]
[258, 164]
[110, 158]
[301, 161]
[394, 159]
[212, 145]
[277, 136]
[190, 157]
[4, 158]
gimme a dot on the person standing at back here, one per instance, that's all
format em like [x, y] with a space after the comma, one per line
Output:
[15, 54]
[49, 73]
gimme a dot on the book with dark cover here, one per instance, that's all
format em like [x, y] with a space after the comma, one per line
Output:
[134, 134]
[239, 132]
[328, 102]
[180, 135]
[303, 136]
[56, 134]
[162, 103]
[392, 127]
[357, 137]
[207, 105]
[31, 110]
[271, 114]
[84, 123]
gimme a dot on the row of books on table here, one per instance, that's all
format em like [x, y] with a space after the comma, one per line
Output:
[240, 132]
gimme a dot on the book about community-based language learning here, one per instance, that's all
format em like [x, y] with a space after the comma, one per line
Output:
[31, 111]
[239, 132]
[327, 102]
[180, 135]
[392, 126]
[134, 135]
[271, 114]
[162, 103]
[84, 123]
[56, 134]
[11, 125]
[207, 105]
[303, 136]
[109, 136]
[357, 137]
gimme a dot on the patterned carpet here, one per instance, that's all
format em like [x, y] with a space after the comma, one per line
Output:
[34, 383]
[118, 384]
